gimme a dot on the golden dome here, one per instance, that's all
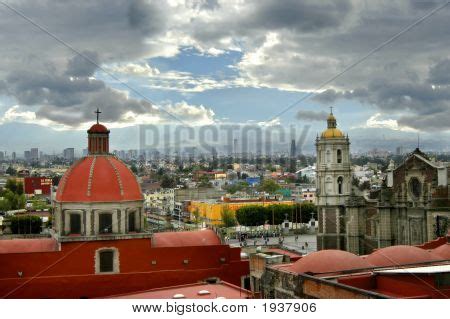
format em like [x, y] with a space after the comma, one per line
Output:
[332, 132]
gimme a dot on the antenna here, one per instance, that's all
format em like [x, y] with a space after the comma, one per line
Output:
[418, 140]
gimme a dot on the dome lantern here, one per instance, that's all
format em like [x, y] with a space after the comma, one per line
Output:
[98, 138]
[332, 131]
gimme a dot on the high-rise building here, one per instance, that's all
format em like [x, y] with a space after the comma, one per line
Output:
[69, 154]
[2, 156]
[34, 153]
[13, 156]
[27, 155]
[293, 153]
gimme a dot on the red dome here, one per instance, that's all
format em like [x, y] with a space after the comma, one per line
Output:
[442, 251]
[205, 237]
[400, 255]
[329, 261]
[98, 128]
[101, 178]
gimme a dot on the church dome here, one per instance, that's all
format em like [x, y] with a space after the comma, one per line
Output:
[443, 251]
[98, 128]
[400, 255]
[98, 178]
[329, 261]
[332, 131]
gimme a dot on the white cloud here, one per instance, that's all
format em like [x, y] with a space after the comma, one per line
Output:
[185, 82]
[14, 114]
[375, 121]
[178, 113]
[142, 69]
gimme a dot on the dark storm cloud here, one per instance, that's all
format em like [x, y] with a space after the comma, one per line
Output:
[146, 16]
[440, 73]
[58, 84]
[83, 65]
[331, 96]
[305, 16]
[306, 115]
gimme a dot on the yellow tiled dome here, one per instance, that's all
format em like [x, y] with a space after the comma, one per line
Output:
[332, 132]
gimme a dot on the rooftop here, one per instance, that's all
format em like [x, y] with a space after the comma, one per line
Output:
[192, 291]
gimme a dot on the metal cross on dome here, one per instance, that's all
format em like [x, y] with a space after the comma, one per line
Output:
[331, 110]
[98, 113]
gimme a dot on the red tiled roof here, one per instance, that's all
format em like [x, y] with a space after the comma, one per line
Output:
[35, 245]
[442, 251]
[205, 237]
[98, 178]
[98, 128]
[328, 261]
[400, 255]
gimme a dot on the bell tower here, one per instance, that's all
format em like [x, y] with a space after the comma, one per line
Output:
[333, 184]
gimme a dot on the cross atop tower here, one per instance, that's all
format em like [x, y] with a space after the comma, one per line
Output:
[98, 113]
[331, 110]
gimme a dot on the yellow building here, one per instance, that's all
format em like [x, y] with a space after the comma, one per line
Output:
[210, 211]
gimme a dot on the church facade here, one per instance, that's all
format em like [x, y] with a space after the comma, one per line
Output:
[412, 207]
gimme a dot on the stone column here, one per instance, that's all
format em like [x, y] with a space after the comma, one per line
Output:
[92, 213]
[353, 233]
[119, 221]
[385, 233]
[84, 223]
[63, 222]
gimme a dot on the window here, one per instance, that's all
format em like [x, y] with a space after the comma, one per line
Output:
[105, 223]
[131, 222]
[415, 187]
[340, 180]
[107, 261]
[75, 224]
[339, 156]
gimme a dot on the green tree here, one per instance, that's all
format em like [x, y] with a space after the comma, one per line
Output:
[228, 219]
[251, 215]
[11, 171]
[134, 169]
[269, 186]
[26, 224]
[196, 214]
[305, 211]
[168, 182]
[204, 182]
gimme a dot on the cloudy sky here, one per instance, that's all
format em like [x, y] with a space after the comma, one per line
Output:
[207, 62]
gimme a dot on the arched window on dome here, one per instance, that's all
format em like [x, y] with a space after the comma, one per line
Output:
[340, 182]
[75, 224]
[132, 222]
[105, 223]
[339, 156]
